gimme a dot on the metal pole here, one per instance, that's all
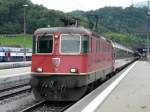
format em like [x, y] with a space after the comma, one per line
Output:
[148, 45]
[25, 30]
[132, 3]
[148, 30]
[24, 20]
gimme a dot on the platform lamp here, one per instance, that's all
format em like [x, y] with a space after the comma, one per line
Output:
[24, 29]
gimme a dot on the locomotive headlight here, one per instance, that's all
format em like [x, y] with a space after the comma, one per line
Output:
[39, 70]
[73, 70]
[56, 36]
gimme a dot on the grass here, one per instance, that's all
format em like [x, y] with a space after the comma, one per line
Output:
[16, 40]
[122, 39]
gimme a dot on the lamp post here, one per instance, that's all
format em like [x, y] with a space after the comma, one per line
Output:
[24, 30]
[25, 17]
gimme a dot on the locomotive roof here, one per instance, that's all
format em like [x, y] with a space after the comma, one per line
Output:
[76, 30]
[63, 30]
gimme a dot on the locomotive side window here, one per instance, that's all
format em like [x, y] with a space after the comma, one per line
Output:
[97, 46]
[34, 44]
[70, 44]
[45, 44]
[85, 44]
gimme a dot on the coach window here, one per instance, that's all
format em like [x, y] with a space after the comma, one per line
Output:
[91, 47]
[85, 44]
[45, 44]
[70, 44]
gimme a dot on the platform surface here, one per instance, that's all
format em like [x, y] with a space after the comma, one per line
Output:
[9, 65]
[14, 72]
[133, 92]
[128, 91]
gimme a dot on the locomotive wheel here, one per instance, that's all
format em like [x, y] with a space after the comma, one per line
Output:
[36, 94]
[35, 88]
[76, 93]
[90, 87]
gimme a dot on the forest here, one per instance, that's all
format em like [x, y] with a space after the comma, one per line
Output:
[124, 25]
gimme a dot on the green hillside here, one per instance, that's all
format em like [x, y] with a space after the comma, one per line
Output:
[116, 19]
[126, 26]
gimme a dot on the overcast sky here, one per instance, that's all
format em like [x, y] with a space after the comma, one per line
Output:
[85, 5]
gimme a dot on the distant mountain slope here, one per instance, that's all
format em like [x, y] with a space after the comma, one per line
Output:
[141, 4]
[127, 24]
[117, 19]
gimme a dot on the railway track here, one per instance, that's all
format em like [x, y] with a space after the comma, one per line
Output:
[9, 92]
[45, 106]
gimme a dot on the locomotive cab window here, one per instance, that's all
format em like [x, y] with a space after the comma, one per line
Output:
[45, 44]
[85, 43]
[70, 44]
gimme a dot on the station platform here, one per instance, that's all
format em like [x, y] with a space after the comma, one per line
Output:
[4, 73]
[9, 65]
[128, 91]
[14, 77]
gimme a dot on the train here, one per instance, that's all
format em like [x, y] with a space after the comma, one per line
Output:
[66, 60]
[13, 54]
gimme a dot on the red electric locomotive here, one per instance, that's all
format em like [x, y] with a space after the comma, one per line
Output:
[66, 60]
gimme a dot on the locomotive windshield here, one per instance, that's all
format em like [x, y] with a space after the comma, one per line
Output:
[70, 44]
[45, 44]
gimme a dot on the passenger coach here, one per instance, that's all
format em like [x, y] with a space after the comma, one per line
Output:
[11, 54]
